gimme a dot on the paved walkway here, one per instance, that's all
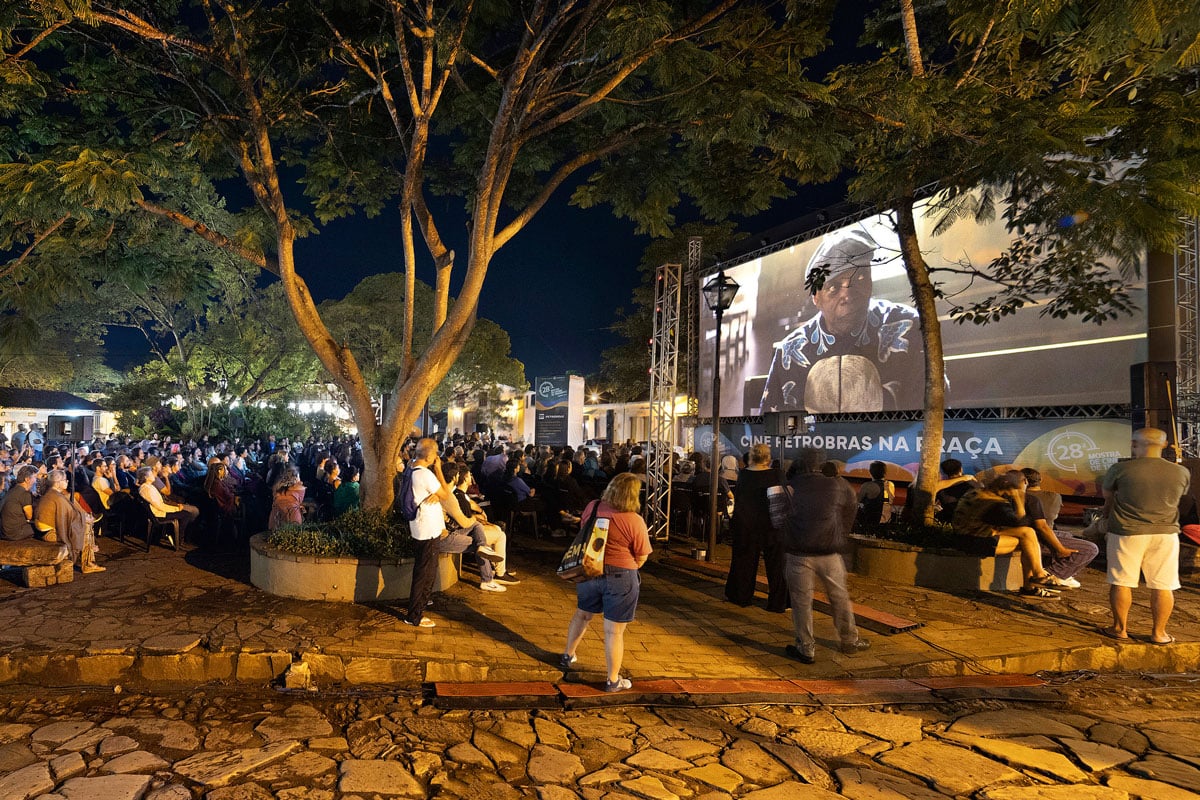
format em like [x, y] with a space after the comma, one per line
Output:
[167, 617]
[1128, 737]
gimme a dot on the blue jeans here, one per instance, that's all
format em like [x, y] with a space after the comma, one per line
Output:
[1073, 564]
[802, 574]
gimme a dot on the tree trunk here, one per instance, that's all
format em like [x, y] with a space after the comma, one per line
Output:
[935, 368]
[379, 472]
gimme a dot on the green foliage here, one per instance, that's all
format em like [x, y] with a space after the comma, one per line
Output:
[365, 319]
[362, 533]
[1074, 122]
[140, 403]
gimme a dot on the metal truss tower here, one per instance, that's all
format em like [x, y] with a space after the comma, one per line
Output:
[1187, 327]
[664, 376]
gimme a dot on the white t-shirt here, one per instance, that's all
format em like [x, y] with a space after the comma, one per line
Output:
[430, 521]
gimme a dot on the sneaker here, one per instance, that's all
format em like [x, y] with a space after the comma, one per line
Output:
[850, 648]
[619, 685]
[90, 568]
[803, 656]
[1039, 591]
[1070, 583]
[425, 622]
[565, 662]
[490, 554]
[1050, 582]
[508, 578]
[492, 586]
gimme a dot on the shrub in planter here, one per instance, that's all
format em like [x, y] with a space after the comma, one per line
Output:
[364, 533]
[937, 535]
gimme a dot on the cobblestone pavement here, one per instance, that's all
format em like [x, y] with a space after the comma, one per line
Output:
[1096, 737]
[167, 617]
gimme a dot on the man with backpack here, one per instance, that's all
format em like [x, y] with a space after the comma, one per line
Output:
[422, 491]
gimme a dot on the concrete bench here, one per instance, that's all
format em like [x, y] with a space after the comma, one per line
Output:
[950, 567]
[39, 563]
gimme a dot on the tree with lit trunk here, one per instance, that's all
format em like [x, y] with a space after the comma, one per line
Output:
[365, 106]
[1032, 111]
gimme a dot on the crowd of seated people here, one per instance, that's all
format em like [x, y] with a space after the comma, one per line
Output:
[224, 489]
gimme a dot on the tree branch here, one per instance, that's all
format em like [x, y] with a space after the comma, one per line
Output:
[211, 236]
[557, 180]
[978, 53]
[12, 267]
[128, 21]
[24, 51]
[622, 73]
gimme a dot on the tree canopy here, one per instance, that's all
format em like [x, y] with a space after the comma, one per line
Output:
[365, 320]
[322, 109]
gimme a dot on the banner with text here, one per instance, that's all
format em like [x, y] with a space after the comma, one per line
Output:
[552, 406]
[1071, 454]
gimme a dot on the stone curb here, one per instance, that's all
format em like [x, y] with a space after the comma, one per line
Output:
[198, 665]
[681, 692]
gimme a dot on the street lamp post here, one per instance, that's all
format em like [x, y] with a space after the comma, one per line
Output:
[719, 294]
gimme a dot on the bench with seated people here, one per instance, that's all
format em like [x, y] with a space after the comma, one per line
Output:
[41, 563]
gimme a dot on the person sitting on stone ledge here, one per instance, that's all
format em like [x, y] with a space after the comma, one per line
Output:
[998, 513]
[462, 514]
[950, 489]
[59, 519]
[16, 512]
[1065, 556]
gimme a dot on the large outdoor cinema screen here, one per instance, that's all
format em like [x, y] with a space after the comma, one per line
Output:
[856, 346]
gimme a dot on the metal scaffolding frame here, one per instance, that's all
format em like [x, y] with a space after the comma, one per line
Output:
[664, 377]
[1187, 332]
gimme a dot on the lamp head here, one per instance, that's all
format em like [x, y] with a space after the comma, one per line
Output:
[720, 291]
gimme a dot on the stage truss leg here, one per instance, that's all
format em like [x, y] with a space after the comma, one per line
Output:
[1187, 327]
[664, 376]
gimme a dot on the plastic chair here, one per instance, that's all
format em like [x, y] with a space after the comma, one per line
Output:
[143, 519]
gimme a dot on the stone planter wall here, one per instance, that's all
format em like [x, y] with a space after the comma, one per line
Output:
[936, 568]
[342, 579]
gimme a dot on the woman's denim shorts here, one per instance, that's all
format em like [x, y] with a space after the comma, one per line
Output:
[615, 594]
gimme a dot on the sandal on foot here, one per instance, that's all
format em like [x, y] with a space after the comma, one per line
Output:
[1111, 634]
[1039, 591]
[1168, 640]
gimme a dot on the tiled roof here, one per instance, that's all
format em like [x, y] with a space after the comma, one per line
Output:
[44, 398]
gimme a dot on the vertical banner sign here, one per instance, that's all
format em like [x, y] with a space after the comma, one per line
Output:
[552, 396]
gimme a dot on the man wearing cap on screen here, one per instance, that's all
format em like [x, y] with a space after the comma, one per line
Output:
[857, 353]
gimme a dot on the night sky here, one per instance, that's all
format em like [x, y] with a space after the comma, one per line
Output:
[554, 287]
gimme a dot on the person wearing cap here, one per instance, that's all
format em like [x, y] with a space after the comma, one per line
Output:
[857, 353]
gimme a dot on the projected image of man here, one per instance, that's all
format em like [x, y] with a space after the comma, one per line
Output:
[857, 353]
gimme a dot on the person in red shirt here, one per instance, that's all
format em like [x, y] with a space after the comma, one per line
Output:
[615, 593]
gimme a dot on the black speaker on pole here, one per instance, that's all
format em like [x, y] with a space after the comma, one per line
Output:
[783, 423]
[1152, 396]
[70, 429]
